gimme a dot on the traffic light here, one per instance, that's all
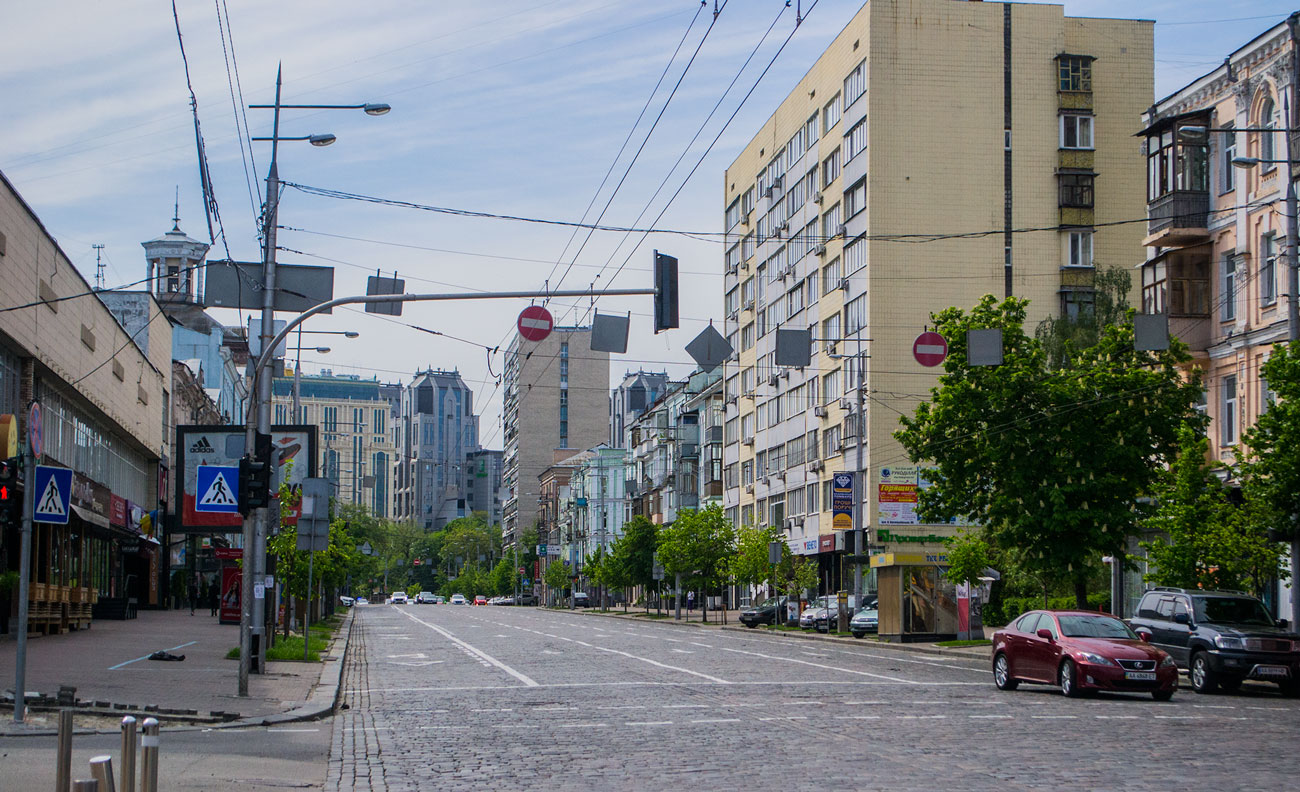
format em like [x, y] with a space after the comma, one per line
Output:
[665, 292]
[11, 498]
[255, 476]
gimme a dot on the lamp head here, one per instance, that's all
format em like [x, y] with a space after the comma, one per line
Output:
[351, 334]
[321, 140]
[1245, 162]
[375, 108]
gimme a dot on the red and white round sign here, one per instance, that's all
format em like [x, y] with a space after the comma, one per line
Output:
[535, 323]
[929, 349]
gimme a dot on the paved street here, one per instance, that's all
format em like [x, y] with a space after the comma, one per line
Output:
[511, 698]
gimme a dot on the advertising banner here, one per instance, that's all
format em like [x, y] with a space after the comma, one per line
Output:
[231, 582]
[224, 446]
[842, 485]
[896, 495]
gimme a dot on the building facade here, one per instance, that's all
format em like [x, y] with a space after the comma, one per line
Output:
[1030, 107]
[556, 400]
[354, 420]
[483, 484]
[597, 486]
[675, 460]
[1216, 242]
[638, 390]
[437, 433]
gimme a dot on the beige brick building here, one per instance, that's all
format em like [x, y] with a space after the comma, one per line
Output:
[907, 172]
[556, 399]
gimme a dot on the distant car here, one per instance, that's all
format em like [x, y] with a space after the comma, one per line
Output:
[1082, 652]
[525, 599]
[762, 613]
[819, 618]
[362, 601]
[438, 599]
[814, 608]
[424, 598]
[864, 621]
[398, 598]
[581, 600]
[458, 599]
[480, 600]
[347, 601]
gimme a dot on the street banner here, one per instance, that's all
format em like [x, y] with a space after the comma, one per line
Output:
[896, 495]
[842, 501]
[222, 447]
[231, 581]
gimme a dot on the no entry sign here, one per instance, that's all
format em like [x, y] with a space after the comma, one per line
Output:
[535, 323]
[929, 349]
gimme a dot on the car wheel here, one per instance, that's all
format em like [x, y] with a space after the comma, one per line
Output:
[751, 626]
[1290, 688]
[1069, 678]
[1002, 673]
[1203, 677]
[858, 634]
[1162, 695]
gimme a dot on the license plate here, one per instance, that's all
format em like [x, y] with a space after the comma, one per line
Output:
[1272, 671]
[1141, 675]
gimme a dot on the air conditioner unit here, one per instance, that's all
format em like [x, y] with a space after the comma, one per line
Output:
[832, 349]
[749, 305]
[778, 233]
[767, 192]
[816, 465]
[841, 230]
[749, 441]
[819, 411]
[818, 197]
[776, 183]
[846, 404]
[767, 481]
[734, 270]
[774, 380]
[749, 488]
[783, 274]
[745, 220]
[819, 249]
[789, 523]
[844, 284]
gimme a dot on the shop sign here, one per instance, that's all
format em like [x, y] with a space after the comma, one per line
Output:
[228, 553]
[117, 511]
[896, 496]
[890, 536]
[826, 543]
[92, 496]
[842, 486]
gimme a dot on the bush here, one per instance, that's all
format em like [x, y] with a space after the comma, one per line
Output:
[997, 615]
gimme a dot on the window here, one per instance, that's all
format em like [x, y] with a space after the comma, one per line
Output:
[831, 386]
[831, 168]
[1268, 269]
[812, 492]
[831, 441]
[733, 214]
[733, 257]
[1229, 173]
[747, 337]
[831, 113]
[1076, 131]
[1228, 287]
[1079, 251]
[1153, 287]
[855, 198]
[1228, 411]
[810, 130]
[794, 300]
[1076, 189]
[1075, 73]
[1267, 150]
[747, 380]
[747, 202]
[831, 330]
[831, 276]
[855, 256]
[747, 247]
[747, 293]
[747, 472]
[1177, 160]
[855, 142]
[831, 222]
[733, 300]
[1075, 304]
[855, 315]
[855, 85]
[1189, 286]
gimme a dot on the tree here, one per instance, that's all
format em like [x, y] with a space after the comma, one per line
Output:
[698, 546]
[556, 576]
[636, 550]
[1063, 337]
[504, 577]
[801, 577]
[1051, 463]
[1272, 468]
[968, 557]
[1204, 539]
[750, 565]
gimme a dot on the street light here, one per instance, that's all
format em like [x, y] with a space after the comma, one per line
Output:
[258, 419]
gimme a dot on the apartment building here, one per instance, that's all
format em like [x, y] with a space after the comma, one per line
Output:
[555, 403]
[675, 456]
[353, 419]
[899, 177]
[483, 484]
[638, 390]
[1216, 240]
[437, 432]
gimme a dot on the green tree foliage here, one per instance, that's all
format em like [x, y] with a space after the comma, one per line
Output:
[1050, 462]
[1064, 337]
[749, 564]
[698, 546]
[636, 550]
[1204, 540]
[556, 576]
[1272, 469]
[503, 578]
[968, 556]
[801, 577]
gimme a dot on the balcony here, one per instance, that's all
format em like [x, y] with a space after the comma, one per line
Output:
[1178, 219]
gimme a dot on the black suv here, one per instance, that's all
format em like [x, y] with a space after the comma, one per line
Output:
[1220, 637]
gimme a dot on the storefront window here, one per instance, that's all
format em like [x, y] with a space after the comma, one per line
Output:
[929, 601]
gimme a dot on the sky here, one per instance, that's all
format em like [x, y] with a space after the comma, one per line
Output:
[542, 109]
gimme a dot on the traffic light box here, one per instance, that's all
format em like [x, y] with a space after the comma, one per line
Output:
[11, 493]
[255, 476]
[665, 292]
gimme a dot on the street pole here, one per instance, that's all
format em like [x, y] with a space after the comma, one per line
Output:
[306, 610]
[1293, 271]
[24, 580]
[860, 540]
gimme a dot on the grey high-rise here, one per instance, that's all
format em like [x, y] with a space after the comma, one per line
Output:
[437, 432]
[556, 404]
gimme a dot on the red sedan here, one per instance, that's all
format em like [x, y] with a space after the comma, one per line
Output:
[1083, 652]
[480, 600]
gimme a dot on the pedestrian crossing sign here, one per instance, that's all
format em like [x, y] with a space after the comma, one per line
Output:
[218, 488]
[53, 487]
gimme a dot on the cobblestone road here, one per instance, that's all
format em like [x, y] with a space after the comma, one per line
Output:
[463, 698]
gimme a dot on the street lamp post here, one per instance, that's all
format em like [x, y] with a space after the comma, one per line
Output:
[297, 364]
[252, 618]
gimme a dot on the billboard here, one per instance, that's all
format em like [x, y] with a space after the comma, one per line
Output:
[896, 496]
[224, 445]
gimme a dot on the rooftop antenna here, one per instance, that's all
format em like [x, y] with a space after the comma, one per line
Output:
[176, 211]
[99, 266]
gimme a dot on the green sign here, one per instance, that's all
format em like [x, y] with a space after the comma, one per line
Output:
[889, 536]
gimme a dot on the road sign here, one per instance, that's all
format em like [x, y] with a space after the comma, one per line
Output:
[541, 549]
[774, 552]
[535, 323]
[929, 348]
[53, 487]
[217, 489]
[842, 501]
[35, 432]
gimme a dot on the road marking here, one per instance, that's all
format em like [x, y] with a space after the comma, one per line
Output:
[717, 720]
[293, 731]
[684, 651]
[1180, 717]
[578, 725]
[416, 655]
[491, 709]
[697, 643]
[146, 657]
[1058, 717]
[622, 706]
[855, 717]
[527, 680]
[686, 706]
[937, 717]
[827, 667]
[989, 717]
[648, 723]
[1114, 717]
[790, 717]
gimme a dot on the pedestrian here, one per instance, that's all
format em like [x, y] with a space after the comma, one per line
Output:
[690, 601]
[213, 597]
[194, 596]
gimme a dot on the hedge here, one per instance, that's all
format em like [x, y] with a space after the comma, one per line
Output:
[998, 614]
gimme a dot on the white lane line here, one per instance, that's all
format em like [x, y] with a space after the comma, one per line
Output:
[622, 707]
[146, 657]
[856, 717]
[697, 643]
[293, 731]
[527, 680]
[686, 706]
[992, 717]
[578, 725]
[826, 667]
[717, 720]
[791, 717]
[648, 723]
[684, 651]
[1058, 717]
[493, 709]
[1114, 717]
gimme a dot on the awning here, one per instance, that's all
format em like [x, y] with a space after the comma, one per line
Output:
[89, 516]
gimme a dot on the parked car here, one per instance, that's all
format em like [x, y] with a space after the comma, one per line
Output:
[864, 621]
[525, 599]
[398, 598]
[362, 601]
[424, 598]
[763, 613]
[438, 599]
[458, 599]
[1221, 637]
[810, 612]
[348, 602]
[1083, 652]
[819, 618]
[580, 599]
[480, 600]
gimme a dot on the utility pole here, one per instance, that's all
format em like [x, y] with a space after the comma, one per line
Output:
[1293, 269]
[24, 575]
[860, 525]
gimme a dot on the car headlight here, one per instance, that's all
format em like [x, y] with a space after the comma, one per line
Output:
[1229, 642]
[1167, 662]
[1095, 659]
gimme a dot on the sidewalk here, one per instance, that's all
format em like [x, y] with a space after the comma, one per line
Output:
[109, 666]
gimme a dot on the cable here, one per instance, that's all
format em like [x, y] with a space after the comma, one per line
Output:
[238, 106]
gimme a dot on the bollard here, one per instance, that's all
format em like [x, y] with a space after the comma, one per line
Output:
[63, 773]
[128, 754]
[89, 785]
[101, 769]
[149, 755]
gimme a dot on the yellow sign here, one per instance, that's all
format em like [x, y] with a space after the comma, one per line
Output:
[8, 436]
[842, 522]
